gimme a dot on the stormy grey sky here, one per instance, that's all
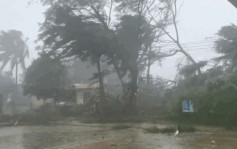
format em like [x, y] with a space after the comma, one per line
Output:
[198, 20]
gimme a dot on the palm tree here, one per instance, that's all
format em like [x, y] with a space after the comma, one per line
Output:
[13, 51]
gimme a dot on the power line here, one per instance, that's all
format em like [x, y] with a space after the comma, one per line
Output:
[204, 45]
[207, 44]
[194, 42]
[187, 44]
[199, 49]
[192, 48]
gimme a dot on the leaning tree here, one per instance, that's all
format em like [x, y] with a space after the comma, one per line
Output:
[13, 50]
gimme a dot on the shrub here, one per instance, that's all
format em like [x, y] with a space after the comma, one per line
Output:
[120, 127]
[43, 115]
[214, 106]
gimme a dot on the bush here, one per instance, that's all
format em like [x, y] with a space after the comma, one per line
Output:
[186, 128]
[181, 129]
[120, 127]
[112, 107]
[5, 118]
[43, 115]
[153, 129]
[214, 106]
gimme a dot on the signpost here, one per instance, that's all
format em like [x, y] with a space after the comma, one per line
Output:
[187, 106]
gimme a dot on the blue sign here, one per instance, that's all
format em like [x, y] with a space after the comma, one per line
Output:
[187, 106]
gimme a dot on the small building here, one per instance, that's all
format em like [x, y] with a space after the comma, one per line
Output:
[85, 92]
[37, 103]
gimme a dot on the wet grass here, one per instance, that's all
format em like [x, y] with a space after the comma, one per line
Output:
[186, 128]
[120, 127]
[155, 129]
[181, 129]
[114, 120]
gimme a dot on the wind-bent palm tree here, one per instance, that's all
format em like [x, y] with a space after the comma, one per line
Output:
[13, 50]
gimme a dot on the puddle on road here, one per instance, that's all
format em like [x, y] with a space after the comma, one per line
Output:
[84, 137]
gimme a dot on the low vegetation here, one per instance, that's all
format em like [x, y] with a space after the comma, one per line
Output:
[181, 129]
[120, 127]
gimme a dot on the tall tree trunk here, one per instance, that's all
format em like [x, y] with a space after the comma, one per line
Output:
[134, 71]
[17, 78]
[148, 72]
[148, 68]
[16, 74]
[106, 27]
[101, 87]
[13, 104]
[132, 96]
[119, 76]
[133, 90]
[101, 82]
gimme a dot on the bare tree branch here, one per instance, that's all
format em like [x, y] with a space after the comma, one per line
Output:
[110, 11]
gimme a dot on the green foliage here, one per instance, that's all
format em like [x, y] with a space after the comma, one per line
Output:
[215, 104]
[194, 83]
[81, 30]
[146, 8]
[135, 35]
[71, 35]
[192, 69]
[213, 92]
[69, 32]
[226, 45]
[43, 116]
[44, 78]
[182, 129]
[112, 106]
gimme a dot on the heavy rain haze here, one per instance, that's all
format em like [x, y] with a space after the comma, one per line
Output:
[25, 15]
[118, 74]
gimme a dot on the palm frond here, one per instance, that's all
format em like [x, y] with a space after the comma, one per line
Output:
[4, 61]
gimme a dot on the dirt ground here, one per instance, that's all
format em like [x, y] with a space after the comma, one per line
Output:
[104, 136]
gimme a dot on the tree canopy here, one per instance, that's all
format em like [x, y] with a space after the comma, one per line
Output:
[226, 45]
[44, 78]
